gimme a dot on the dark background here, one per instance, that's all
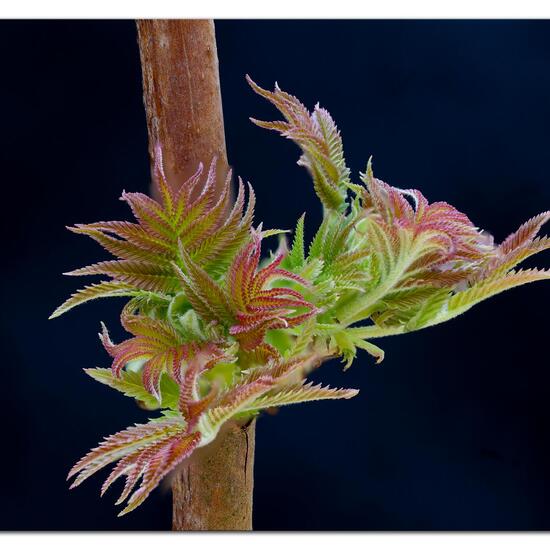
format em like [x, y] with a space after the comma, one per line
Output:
[452, 432]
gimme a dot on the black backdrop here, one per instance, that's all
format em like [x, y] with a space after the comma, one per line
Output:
[452, 431]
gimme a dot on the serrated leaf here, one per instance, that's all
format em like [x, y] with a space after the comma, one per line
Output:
[105, 289]
[464, 300]
[272, 232]
[319, 139]
[116, 446]
[145, 250]
[206, 296]
[131, 384]
[429, 310]
[233, 403]
[303, 339]
[296, 256]
[299, 393]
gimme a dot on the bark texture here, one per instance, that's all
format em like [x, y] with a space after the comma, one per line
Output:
[181, 93]
[213, 491]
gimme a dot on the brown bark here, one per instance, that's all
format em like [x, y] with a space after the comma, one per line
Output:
[181, 93]
[213, 491]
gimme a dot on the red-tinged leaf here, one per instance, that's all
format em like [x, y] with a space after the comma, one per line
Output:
[122, 443]
[162, 463]
[299, 319]
[440, 278]
[502, 264]
[143, 275]
[285, 274]
[132, 467]
[316, 134]
[156, 330]
[526, 233]
[239, 276]
[248, 322]
[266, 274]
[203, 202]
[218, 249]
[122, 249]
[182, 198]
[150, 215]
[131, 232]
[281, 370]
[195, 408]
[260, 309]
[441, 233]
[278, 292]
[152, 371]
[179, 356]
[161, 182]
[194, 213]
[263, 353]
[156, 342]
[200, 360]
[260, 303]
[201, 227]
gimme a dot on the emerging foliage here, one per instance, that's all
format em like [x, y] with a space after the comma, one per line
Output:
[218, 334]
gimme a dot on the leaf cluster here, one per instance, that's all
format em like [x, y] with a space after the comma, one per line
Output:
[216, 333]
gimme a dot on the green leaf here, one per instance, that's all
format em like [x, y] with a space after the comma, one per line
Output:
[280, 339]
[206, 296]
[299, 393]
[296, 256]
[272, 232]
[371, 349]
[464, 300]
[104, 289]
[331, 197]
[235, 401]
[428, 310]
[304, 338]
[130, 384]
[317, 244]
